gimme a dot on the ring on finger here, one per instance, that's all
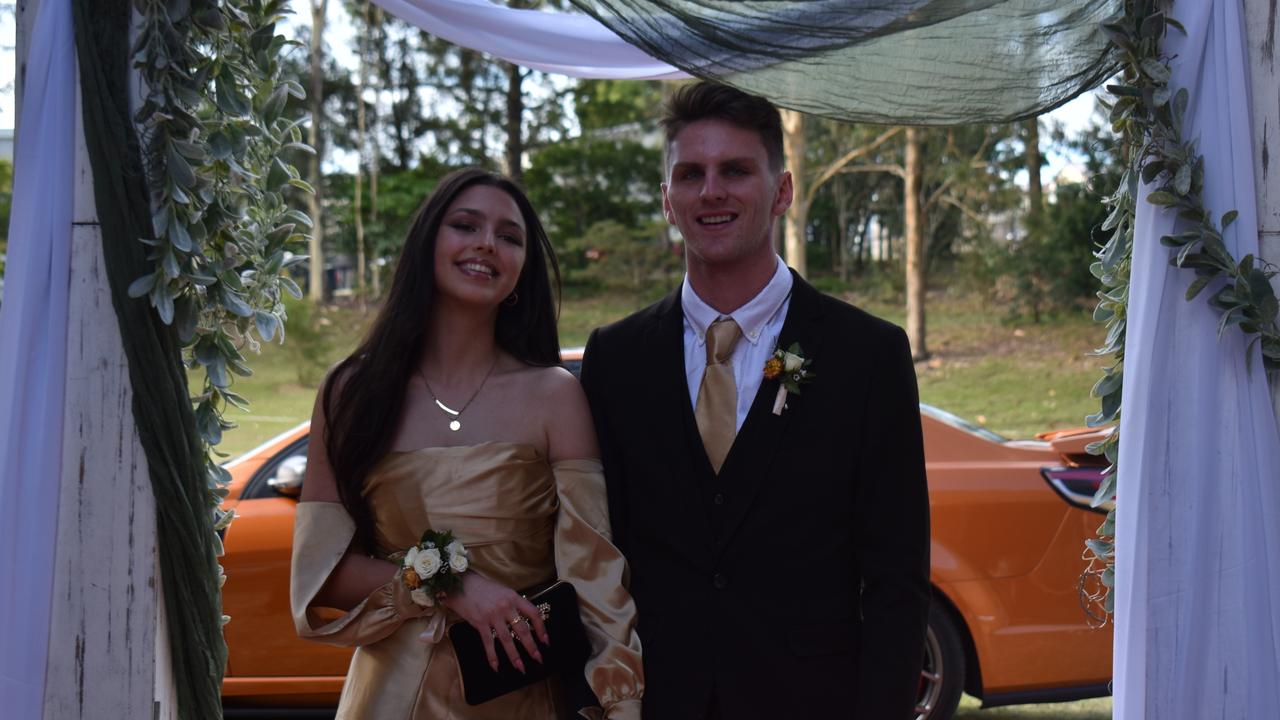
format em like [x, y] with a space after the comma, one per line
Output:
[517, 620]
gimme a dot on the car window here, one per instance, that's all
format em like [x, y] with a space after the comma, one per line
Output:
[290, 461]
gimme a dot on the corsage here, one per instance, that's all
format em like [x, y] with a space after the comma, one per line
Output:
[433, 566]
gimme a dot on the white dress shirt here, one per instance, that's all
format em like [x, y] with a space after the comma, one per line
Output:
[760, 319]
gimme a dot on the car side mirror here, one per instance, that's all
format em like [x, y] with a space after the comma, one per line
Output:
[288, 478]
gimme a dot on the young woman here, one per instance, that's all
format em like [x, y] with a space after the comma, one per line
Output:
[455, 415]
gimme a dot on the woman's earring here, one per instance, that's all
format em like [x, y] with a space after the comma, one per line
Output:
[512, 299]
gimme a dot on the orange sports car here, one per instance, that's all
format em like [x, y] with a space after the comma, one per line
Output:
[1009, 521]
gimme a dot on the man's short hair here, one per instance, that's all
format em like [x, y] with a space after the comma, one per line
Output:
[705, 100]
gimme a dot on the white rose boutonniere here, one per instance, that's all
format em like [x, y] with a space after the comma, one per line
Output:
[429, 571]
[790, 368]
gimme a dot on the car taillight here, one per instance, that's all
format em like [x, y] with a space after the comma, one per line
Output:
[1078, 486]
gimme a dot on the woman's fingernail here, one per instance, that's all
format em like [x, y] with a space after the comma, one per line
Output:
[546, 640]
[537, 656]
[520, 666]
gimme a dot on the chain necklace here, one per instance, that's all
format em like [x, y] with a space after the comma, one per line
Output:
[454, 423]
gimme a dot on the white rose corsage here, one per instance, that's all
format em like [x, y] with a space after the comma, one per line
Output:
[790, 368]
[431, 568]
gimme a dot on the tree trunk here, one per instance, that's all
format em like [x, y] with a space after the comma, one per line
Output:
[913, 223]
[842, 233]
[798, 217]
[362, 139]
[1035, 192]
[515, 124]
[315, 275]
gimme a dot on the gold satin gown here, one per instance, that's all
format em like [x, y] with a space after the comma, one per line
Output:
[525, 522]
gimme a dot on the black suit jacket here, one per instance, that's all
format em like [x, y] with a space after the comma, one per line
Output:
[795, 584]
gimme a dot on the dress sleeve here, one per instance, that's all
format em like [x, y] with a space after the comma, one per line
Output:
[322, 533]
[586, 557]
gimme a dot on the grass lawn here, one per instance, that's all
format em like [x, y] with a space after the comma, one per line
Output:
[1096, 709]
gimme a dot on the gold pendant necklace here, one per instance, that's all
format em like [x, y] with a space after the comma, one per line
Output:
[454, 423]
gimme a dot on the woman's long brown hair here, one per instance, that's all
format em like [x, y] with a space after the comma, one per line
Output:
[364, 396]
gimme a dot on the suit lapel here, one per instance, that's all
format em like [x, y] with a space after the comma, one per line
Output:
[750, 460]
[674, 425]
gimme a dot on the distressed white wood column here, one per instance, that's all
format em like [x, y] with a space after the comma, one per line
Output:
[106, 627]
[1264, 26]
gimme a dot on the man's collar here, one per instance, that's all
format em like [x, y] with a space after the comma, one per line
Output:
[752, 316]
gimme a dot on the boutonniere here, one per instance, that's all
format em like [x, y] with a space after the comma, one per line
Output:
[790, 368]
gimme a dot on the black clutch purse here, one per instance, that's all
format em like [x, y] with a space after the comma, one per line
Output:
[565, 656]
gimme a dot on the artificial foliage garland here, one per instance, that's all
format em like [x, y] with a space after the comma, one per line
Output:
[190, 198]
[1148, 116]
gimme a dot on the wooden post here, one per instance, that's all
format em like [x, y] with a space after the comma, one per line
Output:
[105, 628]
[1263, 22]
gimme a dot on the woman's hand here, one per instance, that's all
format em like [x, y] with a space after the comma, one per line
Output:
[493, 609]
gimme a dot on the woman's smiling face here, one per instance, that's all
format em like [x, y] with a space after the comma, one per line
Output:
[480, 247]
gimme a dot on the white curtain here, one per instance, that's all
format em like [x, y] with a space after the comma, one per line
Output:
[568, 44]
[1198, 530]
[33, 342]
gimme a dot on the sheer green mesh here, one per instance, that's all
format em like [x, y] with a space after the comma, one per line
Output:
[917, 62]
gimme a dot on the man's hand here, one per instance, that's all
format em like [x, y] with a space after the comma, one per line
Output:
[493, 609]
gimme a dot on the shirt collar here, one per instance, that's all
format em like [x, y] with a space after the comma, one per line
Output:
[752, 316]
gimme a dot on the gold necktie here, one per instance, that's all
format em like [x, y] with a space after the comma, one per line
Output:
[717, 410]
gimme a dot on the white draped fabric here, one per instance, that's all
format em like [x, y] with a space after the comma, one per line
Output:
[564, 43]
[33, 342]
[1198, 531]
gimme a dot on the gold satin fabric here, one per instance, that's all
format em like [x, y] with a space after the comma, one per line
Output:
[525, 522]
[717, 410]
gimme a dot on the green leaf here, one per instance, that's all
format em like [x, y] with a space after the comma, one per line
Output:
[266, 324]
[1161, 197]
[233, 302]
[217, 371]
[1156, 70]
[1152, 26]
[178, 235]
[1108, 526]
[179, 171]
[279, 175]
[1108, 384]
[1196, 286]
[220, 146]
[290, 287]
[162, 300]
[1182, 180]
[160, 220]
[1106, 489]
[302, 185]
[169, 265]
[185, 318]
[1229, 217]
[142, 285]
[274, 104]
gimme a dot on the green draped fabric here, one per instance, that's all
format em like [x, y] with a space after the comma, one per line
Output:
[910, 62]
[161, 408]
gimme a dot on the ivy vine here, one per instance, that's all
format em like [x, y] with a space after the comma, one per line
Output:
[1148, 116]
[215, 141]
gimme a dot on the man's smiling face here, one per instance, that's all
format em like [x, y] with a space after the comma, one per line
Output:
[722, 194]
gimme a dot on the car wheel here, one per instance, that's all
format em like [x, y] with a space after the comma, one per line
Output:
[942, 677]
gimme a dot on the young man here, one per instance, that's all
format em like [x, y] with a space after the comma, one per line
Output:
[778, 542]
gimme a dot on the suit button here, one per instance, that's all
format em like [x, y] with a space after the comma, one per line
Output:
[720, 581]
[718, 499]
